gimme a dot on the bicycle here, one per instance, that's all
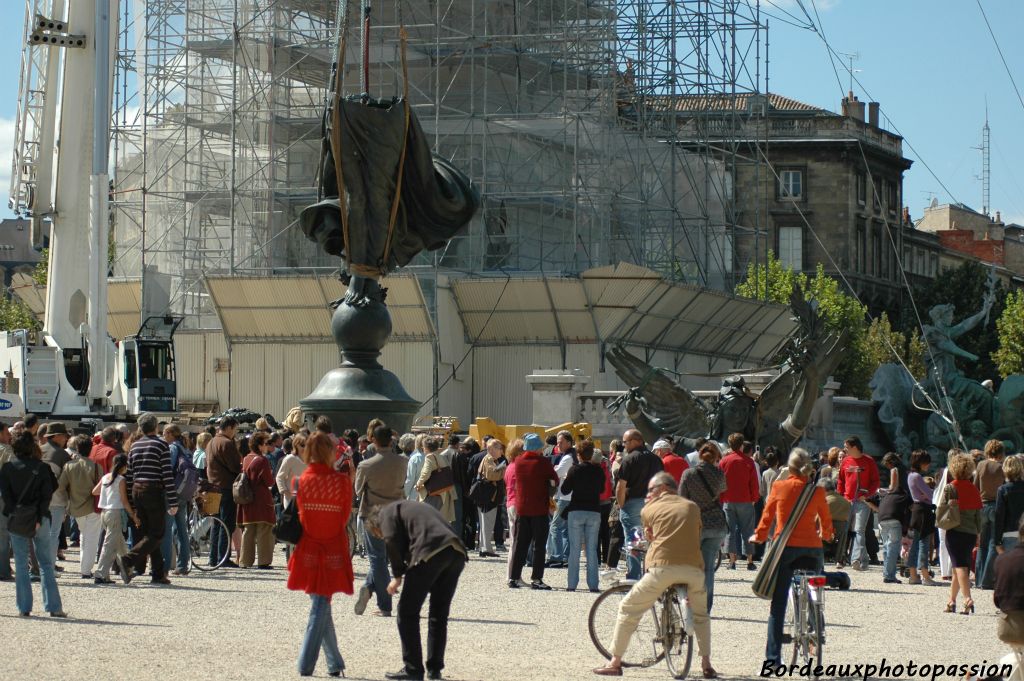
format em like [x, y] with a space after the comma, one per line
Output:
[805, 618]
[662, 632]
[201, 528]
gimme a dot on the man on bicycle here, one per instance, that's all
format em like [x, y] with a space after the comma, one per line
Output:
[803, 548]
[672, 526]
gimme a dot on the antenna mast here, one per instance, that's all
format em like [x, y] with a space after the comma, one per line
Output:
[986, 169]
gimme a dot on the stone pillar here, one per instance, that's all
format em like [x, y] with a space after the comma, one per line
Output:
[555, 393]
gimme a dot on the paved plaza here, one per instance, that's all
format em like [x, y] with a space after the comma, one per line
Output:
[244, 624]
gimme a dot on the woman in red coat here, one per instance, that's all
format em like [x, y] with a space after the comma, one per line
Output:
[257, 518]
[321, 565]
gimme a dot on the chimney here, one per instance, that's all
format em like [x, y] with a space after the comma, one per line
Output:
[853, 107]
[906, 215]
[873, 114]
[999, 218]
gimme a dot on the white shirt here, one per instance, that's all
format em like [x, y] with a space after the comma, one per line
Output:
[564, 464]
[110, 493]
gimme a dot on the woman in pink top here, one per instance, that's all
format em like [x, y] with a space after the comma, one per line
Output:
[513, 451]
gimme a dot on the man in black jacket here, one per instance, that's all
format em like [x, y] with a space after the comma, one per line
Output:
[428, 556]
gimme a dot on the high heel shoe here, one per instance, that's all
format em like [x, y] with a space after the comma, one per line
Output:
[968, 606]
[950, 607]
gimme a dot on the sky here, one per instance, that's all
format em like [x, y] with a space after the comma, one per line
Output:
[932, 64]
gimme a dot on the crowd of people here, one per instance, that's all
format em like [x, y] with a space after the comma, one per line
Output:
[419, 506]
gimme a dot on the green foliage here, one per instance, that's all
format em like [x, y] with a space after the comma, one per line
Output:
[40, 272]
[869, 345]
[1009, 357]
[777, 279]
[965, 288]
[15, 314]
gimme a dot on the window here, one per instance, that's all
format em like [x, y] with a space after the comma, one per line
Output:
[860, 249]
[791, 248]
[130, 375]
[791, 184]
[907, 262]
[876, 200]
[862, 189]
[876, 238]
[933, 269]
[891, 199]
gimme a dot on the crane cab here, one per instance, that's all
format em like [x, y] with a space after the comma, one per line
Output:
[146, 363]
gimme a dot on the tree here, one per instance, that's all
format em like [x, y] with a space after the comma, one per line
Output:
[882, 345]
[965, 287]
[1009, 357]
[779, 281]
[15, 314]
[41, 271]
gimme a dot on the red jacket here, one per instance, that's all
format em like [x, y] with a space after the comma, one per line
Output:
[103, 454]
[534, 475]
[675, 465]
[857, 474]
[608, 492]
[740, 478]
[320, 563]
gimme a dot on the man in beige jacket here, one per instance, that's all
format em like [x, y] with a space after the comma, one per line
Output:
[77, 480]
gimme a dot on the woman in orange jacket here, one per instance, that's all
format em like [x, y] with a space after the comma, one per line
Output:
[803, 550]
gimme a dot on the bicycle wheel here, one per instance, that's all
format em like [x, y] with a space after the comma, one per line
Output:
[676, 640]
[644, 647]
[200, 538]
[805, 624]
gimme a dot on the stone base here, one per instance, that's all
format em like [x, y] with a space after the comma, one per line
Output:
[353, 396]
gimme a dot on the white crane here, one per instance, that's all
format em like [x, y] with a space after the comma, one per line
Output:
[64, 115]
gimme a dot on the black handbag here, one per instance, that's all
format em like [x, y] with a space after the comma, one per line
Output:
[441, 480]
[484, 494]
[288, 528]
[23, 519]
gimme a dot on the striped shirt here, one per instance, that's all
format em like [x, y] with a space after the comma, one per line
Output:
[150, 461]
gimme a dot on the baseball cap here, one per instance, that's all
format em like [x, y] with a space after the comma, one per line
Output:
[661, 444]
[532, 443]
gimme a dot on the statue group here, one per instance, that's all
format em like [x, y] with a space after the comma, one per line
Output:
[658, 405]
[948, 409]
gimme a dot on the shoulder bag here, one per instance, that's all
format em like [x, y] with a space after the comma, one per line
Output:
[23, 519]
[441, 479]
[483, 492]
[288, 527]
[241, 489]
[947, 517]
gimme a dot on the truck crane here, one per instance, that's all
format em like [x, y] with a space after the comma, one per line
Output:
[72, 369]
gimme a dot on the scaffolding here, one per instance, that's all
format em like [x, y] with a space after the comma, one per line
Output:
[575, 118]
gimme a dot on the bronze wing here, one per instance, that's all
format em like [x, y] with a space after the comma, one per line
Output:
[670, 407]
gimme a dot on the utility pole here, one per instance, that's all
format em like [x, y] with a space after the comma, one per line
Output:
[986, 166]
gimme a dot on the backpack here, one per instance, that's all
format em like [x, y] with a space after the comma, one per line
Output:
[241, 489]
[186, 478]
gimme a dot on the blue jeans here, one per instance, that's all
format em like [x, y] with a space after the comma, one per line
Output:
[220, 545]
[377, 577]
[793, 558]
[985, 574]
[23, 580]
[629, 516]
[320, 634]
[920, 547]
[740, 520]
[558, 537]
[583, 528]
[177, 526]
[710, 544]
[892, 537]
[859, 517]
[57, 515]
[5, 549]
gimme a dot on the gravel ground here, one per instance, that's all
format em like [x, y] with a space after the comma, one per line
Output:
[235, 624]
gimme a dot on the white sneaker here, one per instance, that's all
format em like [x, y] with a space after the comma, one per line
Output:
[362, 599]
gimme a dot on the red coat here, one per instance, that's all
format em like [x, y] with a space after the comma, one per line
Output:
[857, 474]
[261, 477]
[320, 563]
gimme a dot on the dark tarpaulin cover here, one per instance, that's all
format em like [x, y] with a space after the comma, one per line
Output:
[436, 199]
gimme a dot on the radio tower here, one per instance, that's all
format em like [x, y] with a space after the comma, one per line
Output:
[986, 171]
